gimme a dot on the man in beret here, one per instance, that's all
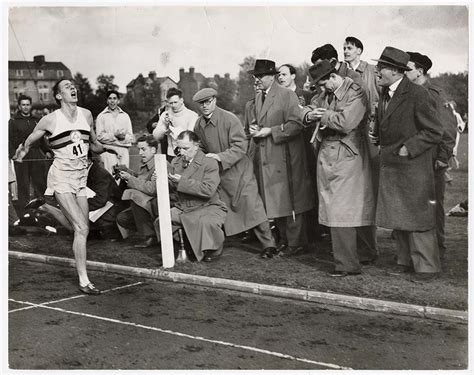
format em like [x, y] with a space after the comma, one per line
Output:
[407, 129]
[223, 139]
[281, 164]
[346, 197]
[419, 66]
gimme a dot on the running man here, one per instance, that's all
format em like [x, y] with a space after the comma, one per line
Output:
[71, 133]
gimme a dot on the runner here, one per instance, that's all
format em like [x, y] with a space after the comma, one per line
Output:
[70, 133]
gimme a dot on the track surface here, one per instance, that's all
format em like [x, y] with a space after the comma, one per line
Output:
[142, 324]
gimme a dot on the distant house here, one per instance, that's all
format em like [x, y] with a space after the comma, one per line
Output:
[191, 82]
[148, 93]
[36, 79]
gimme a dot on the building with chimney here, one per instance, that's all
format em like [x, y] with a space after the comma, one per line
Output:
[191, 82]
[36, 79]
[148, 93]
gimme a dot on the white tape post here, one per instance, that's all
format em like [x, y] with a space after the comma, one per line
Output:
[163, 198]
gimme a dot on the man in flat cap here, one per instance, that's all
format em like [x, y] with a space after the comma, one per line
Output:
[280, 160]
[408, 130]
[223, 139]
[419, 66]
[346, 197]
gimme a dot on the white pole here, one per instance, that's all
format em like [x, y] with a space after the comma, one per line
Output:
[163, 198]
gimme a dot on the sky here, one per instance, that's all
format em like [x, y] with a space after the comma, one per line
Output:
[128, 40]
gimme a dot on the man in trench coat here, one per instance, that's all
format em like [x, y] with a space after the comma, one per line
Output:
[195, 179]
[407, 129]
[223, 139]
[281, 164]
[346, 197]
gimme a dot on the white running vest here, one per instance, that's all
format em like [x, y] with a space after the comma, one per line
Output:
[70, 141]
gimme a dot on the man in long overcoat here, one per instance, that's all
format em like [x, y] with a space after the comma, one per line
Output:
[195, 179]
[223, 139]
[346, 197]
[407, 130]
[280, 159]
[419, 65]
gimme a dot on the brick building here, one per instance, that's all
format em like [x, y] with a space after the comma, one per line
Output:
[36, 79]
[148, 93]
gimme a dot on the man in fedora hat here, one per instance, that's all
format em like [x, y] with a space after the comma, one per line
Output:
[419, 66]
[280, 160]
[345, 190]
[328, 52]
[407, 130]
[223, 139]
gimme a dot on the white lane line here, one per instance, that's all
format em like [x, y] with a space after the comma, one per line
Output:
[199, 338]
[74, 297]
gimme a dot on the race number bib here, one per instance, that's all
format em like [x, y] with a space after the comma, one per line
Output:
[78, 148]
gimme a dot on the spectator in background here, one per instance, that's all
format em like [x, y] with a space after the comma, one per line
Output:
[141, 192]
[223, 139]
[280, 159]
[353, 49]
[345, 189]
[34, 167]
[194, 179]
[408, 131]
[287, 77]
[176, 119]
[114, 128]
[419, 66]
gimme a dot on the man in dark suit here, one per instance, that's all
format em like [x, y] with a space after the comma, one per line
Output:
[407, 129]
[281, 165]
[419, 65]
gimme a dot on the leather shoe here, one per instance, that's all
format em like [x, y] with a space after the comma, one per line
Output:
[149, 242]
[268, 252]
[35, 203]
[89, 289]
[343, 273]
[208, 257]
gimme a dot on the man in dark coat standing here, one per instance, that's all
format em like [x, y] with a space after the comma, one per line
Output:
[408, 130]
[280, 159]
[223, 139]
[419, 65]
[35, 166]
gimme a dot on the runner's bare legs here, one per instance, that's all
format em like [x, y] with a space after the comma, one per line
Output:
[76, 210]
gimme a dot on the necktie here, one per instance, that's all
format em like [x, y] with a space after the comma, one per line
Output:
[185, 163]
[386, 99]
[264, 94]
[330, 97]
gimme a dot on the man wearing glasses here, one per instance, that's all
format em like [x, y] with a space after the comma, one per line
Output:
[281, 164]
[407, 130]
[223, 139]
